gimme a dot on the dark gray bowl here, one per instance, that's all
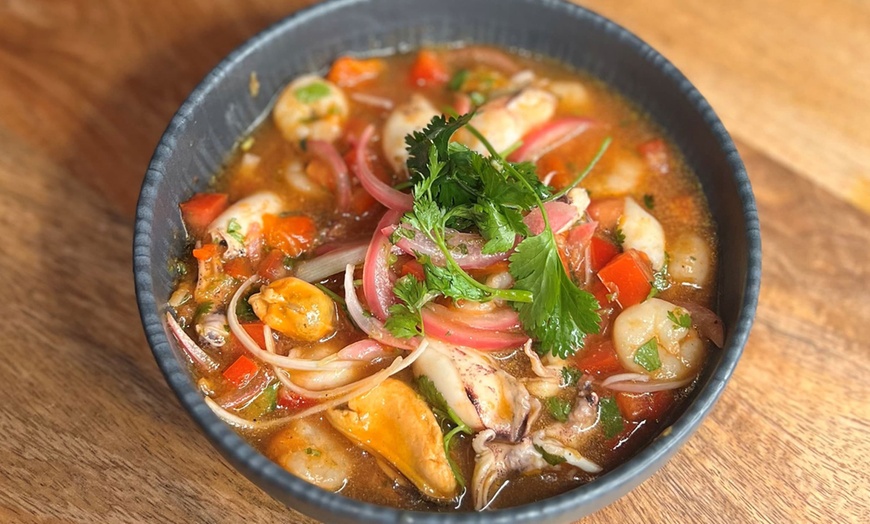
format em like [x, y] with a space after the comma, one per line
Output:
[206, 127]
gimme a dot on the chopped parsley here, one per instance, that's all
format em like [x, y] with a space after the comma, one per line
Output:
[661, 281]
[458, 79]
[312, 92]
[234, 229]
[244, 311]
[570, 376]
[618, 237]
[647, 355]
[549, 458]
[680, 317]
[204, 308]
[558, 408]
[609, 417]
[313, 452]
[649, 201]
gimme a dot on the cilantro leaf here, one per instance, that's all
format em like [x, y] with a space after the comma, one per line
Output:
[649, 201]
[618, 237]
[444, 412]
[570, 376]
[234, 229]
[402, 322]
[647, 355]
[561, 314]
[558, 408]
[549, 458]
[680, 317]
[610, 417]
[437, 134]
[450, 283]
[311, 92]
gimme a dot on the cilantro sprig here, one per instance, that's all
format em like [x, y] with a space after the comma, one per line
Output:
[446, 416]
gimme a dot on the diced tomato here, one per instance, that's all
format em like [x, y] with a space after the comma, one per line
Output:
[640, 406]
[628, 276]
[293, 235]
[348, 72]
[289, 400]
[606, 211]
[239, 268]
[361, 201]
[241, 371]
[600, 292]
[206, 252]
[272, 267]
[601, 252]
[655, 152]
[412, 267]
[599, 358]
[429, 70]
[201, 210]
[255, 331]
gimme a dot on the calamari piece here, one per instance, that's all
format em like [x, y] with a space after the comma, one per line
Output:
[312, 451]
[233, 224]
[494, 461]
[393, 423]
[481, 393]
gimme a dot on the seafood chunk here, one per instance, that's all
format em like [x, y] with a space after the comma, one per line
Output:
[236, 221]
[312, 451]
[504, 121]
[295, 308]
[411, 116]
[393, 423]
[311, 107]
[690, 260]
[679, 349]
[481, 393]
[643, 233]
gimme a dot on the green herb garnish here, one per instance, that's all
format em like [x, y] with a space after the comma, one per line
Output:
[234, 229]
[405, 320]
[649, 201]
[570, 376]
[610, 417]
[680, 317]
[312, 92]
[618, 237]
[660, 281]
[204, 308]
[558, 408]
[446, 416]
[549, 458]
[458, 79]
[647, 356]
[313, 452]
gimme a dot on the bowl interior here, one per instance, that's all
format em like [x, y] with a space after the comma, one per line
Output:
[221, 110]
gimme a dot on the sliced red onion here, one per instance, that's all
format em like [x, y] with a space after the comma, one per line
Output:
[251, 390]
[380, 191]
[470, 256]
[649, 387]
[548, 137]
[561, 215]
[378, 278]
[708, 323]
[365, 349]
[366, 321]
[196, 354]
[327, 152]
[441, 326]
[622, 377]
[317, 269]
[372, 100]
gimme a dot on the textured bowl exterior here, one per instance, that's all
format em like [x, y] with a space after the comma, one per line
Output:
[220, 110]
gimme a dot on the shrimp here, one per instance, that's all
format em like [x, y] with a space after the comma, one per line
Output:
[573, 96]
[623, 176]
[312, 451]
[651, 325]
[690, 260]
[504, 121]
[411, 116]
[311, 107]
[642, 232]
[236, 221]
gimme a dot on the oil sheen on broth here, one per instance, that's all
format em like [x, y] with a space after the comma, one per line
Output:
[260, 305]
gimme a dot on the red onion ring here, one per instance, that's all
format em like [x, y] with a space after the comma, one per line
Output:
[709, 324]
[367, 322]
[549, 136]
[561, 215]
[316, 269]
[378, 279]
[327, 152]
[440, 326]
[380, 191]
[471, 257]
[196, 354]
[240, 396]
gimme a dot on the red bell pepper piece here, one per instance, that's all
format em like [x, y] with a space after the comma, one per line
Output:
[642, 406]
[601, 252]
[201, 210]
[628, 276]
[241, 371]
[428, 70]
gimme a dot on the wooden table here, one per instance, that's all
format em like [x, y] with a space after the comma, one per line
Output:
[90, 432]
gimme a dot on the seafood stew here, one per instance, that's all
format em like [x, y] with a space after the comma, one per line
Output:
[451, 279]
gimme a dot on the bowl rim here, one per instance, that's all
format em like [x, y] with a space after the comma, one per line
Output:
[275, 480]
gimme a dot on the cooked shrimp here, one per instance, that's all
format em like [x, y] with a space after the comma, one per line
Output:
[312, 451]
[295, 308]
[311, 107]
[572, 95]
[690, 259]
[233, 224]
[411, 116]
[623, 176]
[504, 121]
[679, 349]
[642, 232]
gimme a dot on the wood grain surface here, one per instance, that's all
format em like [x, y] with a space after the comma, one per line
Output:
[89, 431]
